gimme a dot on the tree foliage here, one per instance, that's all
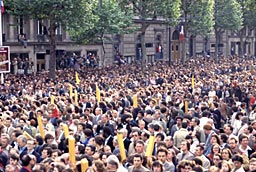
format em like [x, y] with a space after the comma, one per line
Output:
[151, 11]
[57, 12]
[201, 18]
[228, 16]
[107, 17]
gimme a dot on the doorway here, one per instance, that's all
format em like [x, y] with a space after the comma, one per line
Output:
[40, 61]
[175, 46]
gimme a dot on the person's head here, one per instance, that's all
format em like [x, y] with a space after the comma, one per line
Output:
[137, 160]
[135, 135]
[104, 118]
[58, 167]
[90, 150]
[169, 141]
[199, 151]
[28, 161]
[215, 139]
[226, 154]
[237, 161]
[243, 140]
[252, 165]
[107, 149]
[232, 142]
[157, 166]
[207, 128]
[112, 165]
[49, 138]
[178, 120]
[5, 140]
[228, 129]
[223, 138]
[46, 152]
[171, 155]
[8, 122]
[30, 145]
[10, 168]
[100, 167]
[188, 166]
[162, 155]
[213, 169]
[217, 159]
[194, 122]
[215, 149]
[139, 146]
[185, 146]
[55, 153]
[225, 166]
[141, 124]
[21, 141]
[14, 159]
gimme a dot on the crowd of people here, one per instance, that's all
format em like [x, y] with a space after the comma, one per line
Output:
[201, 116]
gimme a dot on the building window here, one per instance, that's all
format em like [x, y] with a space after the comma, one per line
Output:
[41, 29]
[20, 28]
[58, 30]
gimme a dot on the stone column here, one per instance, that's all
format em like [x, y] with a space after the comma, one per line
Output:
[47, 61]
[12, 35]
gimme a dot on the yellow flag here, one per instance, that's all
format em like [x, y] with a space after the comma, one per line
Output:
[76, 97]
[70, 91]
[97, 93]
[121, 146]
[135, 101]
[84, 164]
[193, 82]
[52, 99]
[186, 106]
[150, 147]
[40, 125]
[77, 79]
[71, 149]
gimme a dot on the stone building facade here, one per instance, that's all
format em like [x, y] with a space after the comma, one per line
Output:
[162, 42]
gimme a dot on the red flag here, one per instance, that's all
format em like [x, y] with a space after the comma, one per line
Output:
[181, 34]
[2, 6]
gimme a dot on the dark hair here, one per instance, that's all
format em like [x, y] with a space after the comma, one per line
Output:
[238, 158]
[197, 120]
[224, 137]
[162, 150]
[241, 137]
[138, 156]
[49, 151]
[92, 147]
[198, 168]
[161, 135]
[158, 164]
[184, 125]
[198, 161]
[40, 140]
[99, 140]
[25, 160]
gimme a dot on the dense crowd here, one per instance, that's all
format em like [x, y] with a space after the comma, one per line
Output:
[201, 114]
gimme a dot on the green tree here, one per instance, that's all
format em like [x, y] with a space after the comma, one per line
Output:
[57, 12]
[228, 16]
[108, 18]
[249, 22]
[201, 18]
[149, 11]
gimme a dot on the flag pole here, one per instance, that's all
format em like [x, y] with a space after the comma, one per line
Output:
[1, 39]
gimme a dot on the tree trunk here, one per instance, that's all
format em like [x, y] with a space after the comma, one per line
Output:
[143, 46]
[103, 49]
[241, 37]
[52, 38]
[216, 44]
[184, 43]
